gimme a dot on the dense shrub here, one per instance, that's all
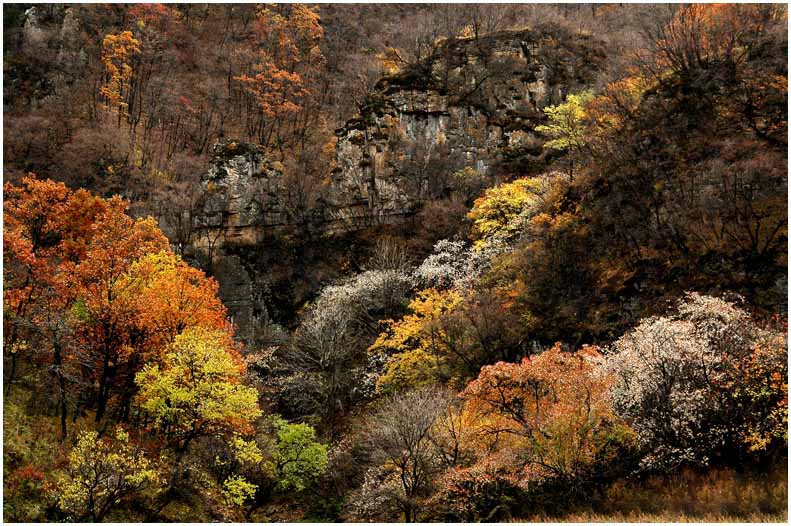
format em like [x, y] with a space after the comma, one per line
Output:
[554, 413]
[484, 492]
[682, 380]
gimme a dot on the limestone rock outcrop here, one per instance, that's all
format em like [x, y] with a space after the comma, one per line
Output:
[475, 103]
[242, 193]
[242, 201]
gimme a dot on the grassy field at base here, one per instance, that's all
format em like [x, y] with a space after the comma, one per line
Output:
[719, 495]
[781, 518]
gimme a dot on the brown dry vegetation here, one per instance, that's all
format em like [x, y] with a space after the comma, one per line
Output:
[719, 495]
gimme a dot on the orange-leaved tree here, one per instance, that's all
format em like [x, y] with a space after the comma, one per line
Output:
[92, 295]
[165, 296]
[105, 315]
[280, 74]
[46, 228]
[551, 415]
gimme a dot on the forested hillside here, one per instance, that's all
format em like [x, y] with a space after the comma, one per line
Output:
[395, 262]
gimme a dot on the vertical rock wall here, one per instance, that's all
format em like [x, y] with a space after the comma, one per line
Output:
[474, 104]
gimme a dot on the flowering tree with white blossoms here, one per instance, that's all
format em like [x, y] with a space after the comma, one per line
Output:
[325, 367]
[455, 264]
[676, 378]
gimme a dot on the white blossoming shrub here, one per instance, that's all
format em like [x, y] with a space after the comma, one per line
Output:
[325, 368]
[455, 264]
[363, 297]
[448, 264]
[674, 375]
[377, 499]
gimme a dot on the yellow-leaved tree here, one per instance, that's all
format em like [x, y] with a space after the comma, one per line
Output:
[418, 346]
[502, 212]
[102, 472]
[117, 54]
[567, 127]
[198, 390]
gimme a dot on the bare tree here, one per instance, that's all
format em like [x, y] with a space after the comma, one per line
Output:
[324, 368]
[401, 437]
[389, 254]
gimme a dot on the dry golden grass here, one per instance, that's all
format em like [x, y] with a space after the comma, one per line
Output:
[721, 495]
[781, 518]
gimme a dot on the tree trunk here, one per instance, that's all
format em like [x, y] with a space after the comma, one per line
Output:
[58, 362]
[104, 390]
[11, 373]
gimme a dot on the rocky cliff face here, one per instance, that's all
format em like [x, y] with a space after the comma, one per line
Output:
[474, 104]
[242, 193]
[241, 202]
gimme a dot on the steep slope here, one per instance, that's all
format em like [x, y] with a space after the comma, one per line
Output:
[474, 104]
